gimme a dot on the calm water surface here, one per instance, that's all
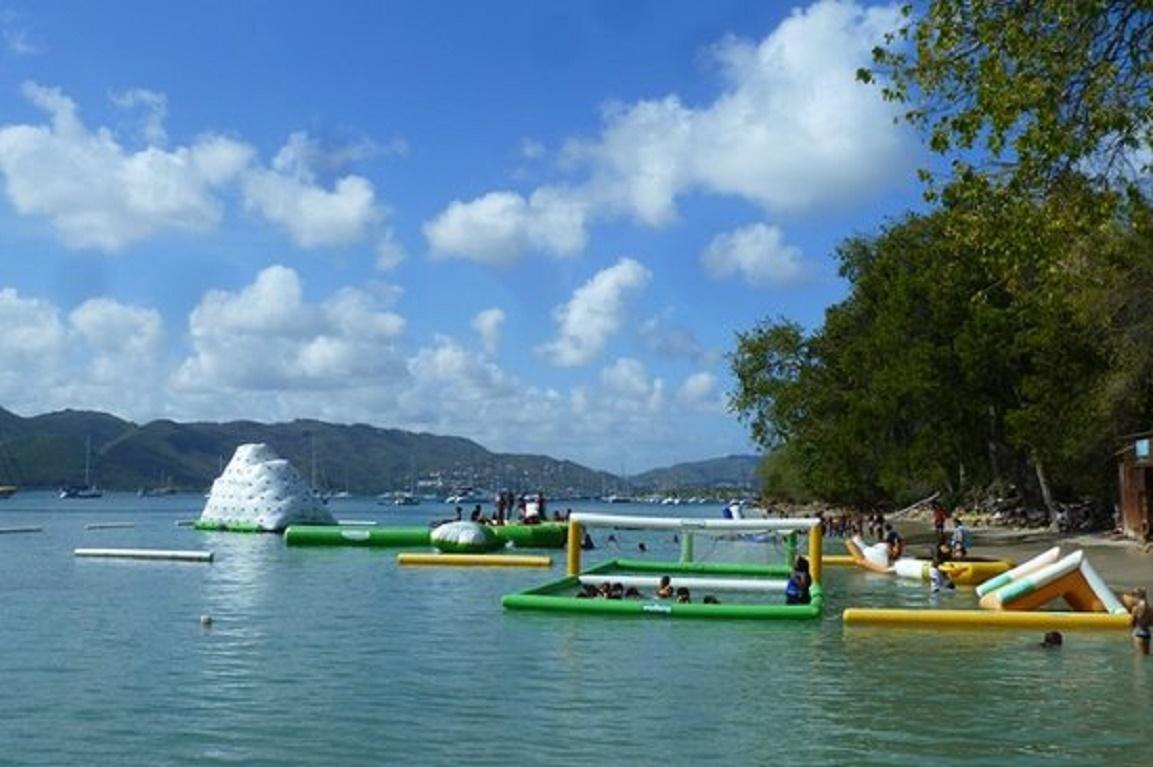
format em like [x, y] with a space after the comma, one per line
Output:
[340, 657]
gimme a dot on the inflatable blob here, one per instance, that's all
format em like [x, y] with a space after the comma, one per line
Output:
[465, 538]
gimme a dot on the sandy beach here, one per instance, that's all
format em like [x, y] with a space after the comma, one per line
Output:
[1121, 562]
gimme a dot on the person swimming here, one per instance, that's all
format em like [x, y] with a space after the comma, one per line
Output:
[1052, 639]
[683, 595]
[665, 588]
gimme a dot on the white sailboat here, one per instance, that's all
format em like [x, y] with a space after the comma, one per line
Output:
[87, 490]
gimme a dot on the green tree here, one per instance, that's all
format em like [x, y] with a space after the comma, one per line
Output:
[1043, 88]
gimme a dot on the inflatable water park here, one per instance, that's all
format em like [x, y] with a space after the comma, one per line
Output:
[259, 491]
[1014, 598]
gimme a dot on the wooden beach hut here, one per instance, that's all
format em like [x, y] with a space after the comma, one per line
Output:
[1135, 464]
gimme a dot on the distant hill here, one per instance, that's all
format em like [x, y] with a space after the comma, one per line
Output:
[732, 471]
[49, 450]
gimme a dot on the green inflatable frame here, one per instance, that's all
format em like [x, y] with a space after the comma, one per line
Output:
[557, 596]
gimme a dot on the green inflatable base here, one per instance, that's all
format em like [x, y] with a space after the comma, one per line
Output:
[544, 536]
[375, 537]
[557, 596]
[230, 527]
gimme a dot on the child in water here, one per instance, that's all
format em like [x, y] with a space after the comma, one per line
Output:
[797, 589]
[665, 588]
[938, 579]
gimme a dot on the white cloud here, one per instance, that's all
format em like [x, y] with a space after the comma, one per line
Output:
[487, 325]
[119, 331]
[660, 335]
[33, 340]
[757, 253]
[791, 130]
[698, 388]
[289, 196]
[531, 149]
[267, 337]
[389, 251]
[595, 312]
[125, 354]
[104, 355]
[627, 376]
[98, 195]
[629, 388]
[14, 34]
[499, 226]
[155, 107]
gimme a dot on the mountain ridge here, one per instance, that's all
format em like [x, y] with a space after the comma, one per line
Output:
[48, 450]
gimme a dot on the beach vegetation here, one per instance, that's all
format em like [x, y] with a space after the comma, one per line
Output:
[995, 338]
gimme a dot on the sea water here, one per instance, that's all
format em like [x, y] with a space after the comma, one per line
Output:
[340, 657]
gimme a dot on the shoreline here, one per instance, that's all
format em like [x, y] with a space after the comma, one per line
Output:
[1123, 562]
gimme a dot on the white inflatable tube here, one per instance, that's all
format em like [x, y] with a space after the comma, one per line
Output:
[1036, 563]
[689, 582]
[910, 568]
[1101, 589]
[1050, 573]
[182, 556]
[877, 553]
[685, 523]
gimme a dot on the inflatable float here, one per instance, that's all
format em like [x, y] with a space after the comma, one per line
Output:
[1012, 597]
[547, 535]
[963, 572]
[472, 560]
[960, 619]
[1071, 578]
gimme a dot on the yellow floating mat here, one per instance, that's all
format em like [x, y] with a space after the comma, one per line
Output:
[473, 560]
[866, 616]
[964, 572]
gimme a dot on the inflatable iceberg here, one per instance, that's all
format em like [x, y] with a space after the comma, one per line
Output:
[260, 491]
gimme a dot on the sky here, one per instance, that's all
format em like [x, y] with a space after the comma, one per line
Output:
[536, 225]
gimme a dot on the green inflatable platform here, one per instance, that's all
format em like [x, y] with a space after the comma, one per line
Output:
[543, 536]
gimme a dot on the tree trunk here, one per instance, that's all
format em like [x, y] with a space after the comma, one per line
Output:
[1046, 493]
[994, 466]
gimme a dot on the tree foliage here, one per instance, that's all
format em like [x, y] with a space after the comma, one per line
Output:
[1003, 335]
[1043, 88]
[986, 341]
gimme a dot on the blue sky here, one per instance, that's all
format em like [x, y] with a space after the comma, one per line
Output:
[536, 225]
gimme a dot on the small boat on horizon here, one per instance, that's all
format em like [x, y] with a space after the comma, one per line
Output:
[81, 491]
[87, 490]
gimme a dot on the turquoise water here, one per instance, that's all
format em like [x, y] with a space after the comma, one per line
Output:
[337, 656]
